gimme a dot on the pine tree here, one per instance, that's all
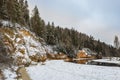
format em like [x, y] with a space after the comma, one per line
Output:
[50, 34]
[37, 24]
[11, 10]
[16, 11]
[3, 9]
[21, 12]
[26, 13]
[35, 20]
[43, 30]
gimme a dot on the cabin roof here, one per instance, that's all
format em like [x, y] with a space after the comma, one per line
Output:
[88, 51]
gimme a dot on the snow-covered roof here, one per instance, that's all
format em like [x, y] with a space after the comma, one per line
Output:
[88, 51]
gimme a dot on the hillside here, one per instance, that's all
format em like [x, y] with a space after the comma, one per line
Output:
[30, 48]
[65, 40]
[20, 43]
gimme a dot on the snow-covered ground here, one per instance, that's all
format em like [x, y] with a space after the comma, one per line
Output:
[9, 74]
[60, 70]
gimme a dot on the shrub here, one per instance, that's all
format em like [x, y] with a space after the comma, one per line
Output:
[1, 24]
[43, 58]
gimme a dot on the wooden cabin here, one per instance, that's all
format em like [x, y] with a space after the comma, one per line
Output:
[86, 53]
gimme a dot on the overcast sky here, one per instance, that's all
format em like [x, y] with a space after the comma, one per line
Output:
[99, 18]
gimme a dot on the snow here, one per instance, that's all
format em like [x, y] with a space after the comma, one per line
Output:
[113, 61]
[18, 39]
[9, 75]
[29, 40]
[19, 54]
[26, 45]
[22, 43]
[60, 70]
[10, 24]
[6, 23]
[49, 48]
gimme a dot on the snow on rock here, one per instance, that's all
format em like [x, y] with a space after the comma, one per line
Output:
[9, 24]
[49, 49]
[29, 45]
[60, 70]
[20, 41]
[6, 23]
[9, 74]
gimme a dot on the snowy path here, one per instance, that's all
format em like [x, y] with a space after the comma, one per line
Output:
[24, 74]
[59, 70]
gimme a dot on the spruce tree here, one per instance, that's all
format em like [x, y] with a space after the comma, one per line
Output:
[11, 10]
[50, 34]
[3, 9]
[16, 10]
[21, 12]
[26, 13]
[37, 24]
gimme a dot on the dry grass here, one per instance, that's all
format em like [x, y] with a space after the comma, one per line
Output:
[22, 51]
[26, 33]
[43, 58]
[51, 56]
[22, 74]
[38, 58]
[31, 45]
[68, 60]
[8, 31]
[19, 61]
[21, 41]
[1, 75]
[34, 58]
[9, 43]
[19, 36]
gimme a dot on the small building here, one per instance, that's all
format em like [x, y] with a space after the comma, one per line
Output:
[86, 53]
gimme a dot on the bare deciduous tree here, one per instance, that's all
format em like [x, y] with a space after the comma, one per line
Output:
[116, 42]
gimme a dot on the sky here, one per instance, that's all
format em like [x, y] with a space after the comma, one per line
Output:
[99, 18]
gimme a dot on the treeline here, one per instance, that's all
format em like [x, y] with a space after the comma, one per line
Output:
[65, 40]
[15, 10]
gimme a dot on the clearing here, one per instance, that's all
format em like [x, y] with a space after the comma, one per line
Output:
[60, 70]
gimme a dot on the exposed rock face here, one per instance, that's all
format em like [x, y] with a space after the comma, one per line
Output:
[4, 56]
[20, 44]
